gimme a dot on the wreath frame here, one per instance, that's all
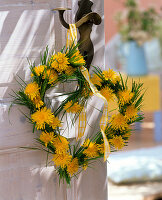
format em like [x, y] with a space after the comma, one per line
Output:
[71, 159]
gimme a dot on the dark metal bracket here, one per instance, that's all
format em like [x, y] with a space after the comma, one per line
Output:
[84, 21]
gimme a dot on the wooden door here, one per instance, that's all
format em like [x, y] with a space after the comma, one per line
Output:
[26, 27]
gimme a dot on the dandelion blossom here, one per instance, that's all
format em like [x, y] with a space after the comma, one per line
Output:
[55, 123]
[76, 108]
[111, 75]
[77, 58]
[62, 160]
[131, 112]
[41, 117]
[39, 69]
[73, 166]
[117, 142]
[47, 137]
[118, 122]
[59, 62]
[125, 96]
[92, 150]
[38, 102]
[73, 107]
[61, 144]
[68, 105]
[108, 75]
[32, 90]
[107, 93]
[51, 75]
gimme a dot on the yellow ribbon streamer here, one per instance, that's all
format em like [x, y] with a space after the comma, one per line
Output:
[82, 124]
[104, 118]
[71, 35]
[72, 38]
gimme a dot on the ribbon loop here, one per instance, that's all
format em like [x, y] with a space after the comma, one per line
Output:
[72, 38]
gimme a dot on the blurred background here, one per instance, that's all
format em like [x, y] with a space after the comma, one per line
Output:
[134, 46]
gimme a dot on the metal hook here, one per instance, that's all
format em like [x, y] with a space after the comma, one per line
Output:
[61, 16]
[85, 19]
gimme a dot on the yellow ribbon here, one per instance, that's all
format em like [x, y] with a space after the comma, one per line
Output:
[72, 38]
[104, 118]
[82, 124]
[71, 35]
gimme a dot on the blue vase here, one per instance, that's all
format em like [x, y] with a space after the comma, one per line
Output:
[136, 64]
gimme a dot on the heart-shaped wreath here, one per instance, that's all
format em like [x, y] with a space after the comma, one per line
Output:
[66, 66]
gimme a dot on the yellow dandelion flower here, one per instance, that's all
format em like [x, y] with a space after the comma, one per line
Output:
[116, 79]
[111, 75]
[76, 108]
[118, 122]
[68, 105]
[55, 123]
[117, 142]
[107, 93]
[38, 102]
[73, 107]
[125, 96]
[96, 80]
[70, 70]
[131, 112]
[73, 166]
[61, 144]
[92, 150]
[47, 137]
[61, 160]
[78, 58]
[51, 75]
[32, 90]
[41, 117]
[108, 75]
[101, 148]
[46, 74]
[39, 69]
[59, 62]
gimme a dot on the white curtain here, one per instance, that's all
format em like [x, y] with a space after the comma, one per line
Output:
[26, 27]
